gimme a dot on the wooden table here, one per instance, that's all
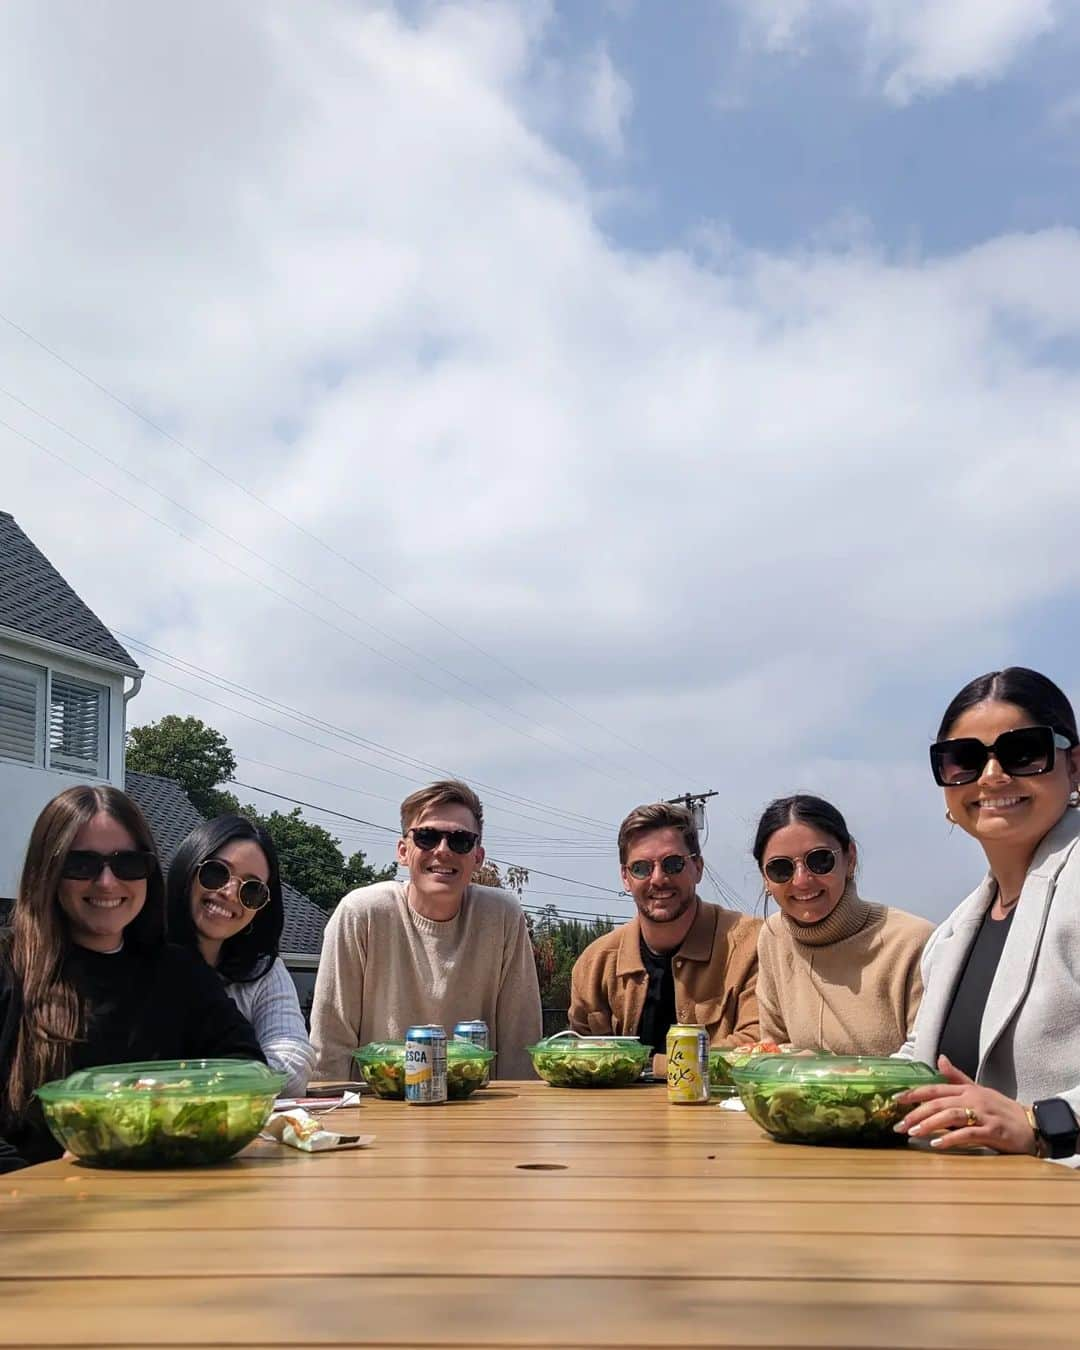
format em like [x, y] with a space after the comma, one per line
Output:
[533, 1216]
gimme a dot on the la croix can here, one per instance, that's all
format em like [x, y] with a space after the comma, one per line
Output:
[425, 1065]
[687, 1065]
[476, 1032]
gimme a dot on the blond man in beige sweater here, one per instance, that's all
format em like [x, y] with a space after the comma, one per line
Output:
[835, 972]
[434, 949]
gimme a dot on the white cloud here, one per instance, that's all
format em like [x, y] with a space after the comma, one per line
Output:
[916, 47]
[737, 508]
[609, 101]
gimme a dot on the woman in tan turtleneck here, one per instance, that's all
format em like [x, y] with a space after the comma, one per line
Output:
[836, 972]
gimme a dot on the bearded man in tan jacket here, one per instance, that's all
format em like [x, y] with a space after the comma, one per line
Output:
[680, 959]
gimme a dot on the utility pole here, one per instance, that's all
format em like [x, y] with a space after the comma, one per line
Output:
[694, 803]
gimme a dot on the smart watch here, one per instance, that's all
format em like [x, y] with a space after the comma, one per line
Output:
[1056, 1127]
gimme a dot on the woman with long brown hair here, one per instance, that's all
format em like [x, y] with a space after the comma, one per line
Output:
[86, 976]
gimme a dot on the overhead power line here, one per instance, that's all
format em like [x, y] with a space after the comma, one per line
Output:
[296, 604]
[394, 830]
[311, 722]
[329, 548]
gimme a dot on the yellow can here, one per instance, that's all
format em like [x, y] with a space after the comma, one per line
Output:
[687, 1065]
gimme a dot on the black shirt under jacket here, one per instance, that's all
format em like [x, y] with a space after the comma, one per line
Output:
[659, 1011]
[960, 1034]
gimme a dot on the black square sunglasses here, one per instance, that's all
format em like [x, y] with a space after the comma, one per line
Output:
[426, 837]
[126, 864]
[1023, 753]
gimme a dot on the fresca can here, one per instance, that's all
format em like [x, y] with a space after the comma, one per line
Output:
[687, 1065]
[425, 1065]
[476, 1032]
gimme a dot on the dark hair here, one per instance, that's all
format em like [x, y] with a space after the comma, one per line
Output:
[245, 956]
[802, 809]
[1039, 697]
[53, 1017]
[658, 816]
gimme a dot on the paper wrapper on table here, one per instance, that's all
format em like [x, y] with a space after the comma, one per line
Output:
[299, 1130]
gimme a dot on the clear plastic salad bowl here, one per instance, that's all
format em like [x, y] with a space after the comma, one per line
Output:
[382, 1067]
[170, 1113]
[829, 1099]
[570, 1060]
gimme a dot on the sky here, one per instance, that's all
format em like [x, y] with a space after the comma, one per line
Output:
[601, 402]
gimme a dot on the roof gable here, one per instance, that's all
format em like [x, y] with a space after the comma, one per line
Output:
[36, 600]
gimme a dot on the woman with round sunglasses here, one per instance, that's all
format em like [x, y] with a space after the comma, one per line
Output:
[224, 901]
[1001, 1013]
[86, 976]
[835, 972]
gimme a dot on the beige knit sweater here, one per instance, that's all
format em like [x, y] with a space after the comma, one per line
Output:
[385, 968]
[850, 984]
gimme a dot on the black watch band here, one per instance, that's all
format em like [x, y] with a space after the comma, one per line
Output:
[1056, 1127]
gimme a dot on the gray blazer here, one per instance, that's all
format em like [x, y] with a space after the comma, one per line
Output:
[1029, 1042]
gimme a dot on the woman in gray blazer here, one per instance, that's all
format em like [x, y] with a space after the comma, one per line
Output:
[1001, 1010]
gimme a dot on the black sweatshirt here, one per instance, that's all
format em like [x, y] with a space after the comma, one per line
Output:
[164, 1004]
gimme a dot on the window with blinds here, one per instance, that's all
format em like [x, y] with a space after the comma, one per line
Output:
[77, 726]
[22, 711]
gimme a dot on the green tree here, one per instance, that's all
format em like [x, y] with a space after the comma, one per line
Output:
[200, 760]
[196, 755]
[311, 859]
[557, 944]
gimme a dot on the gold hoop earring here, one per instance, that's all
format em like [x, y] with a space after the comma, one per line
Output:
[950, 817]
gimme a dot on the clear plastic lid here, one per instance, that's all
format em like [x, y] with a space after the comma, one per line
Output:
[167, 1078]
[885, 1074]
[393, 1052]
[572, 1043]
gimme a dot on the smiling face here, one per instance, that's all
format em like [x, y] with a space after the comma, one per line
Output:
[1001, 811]
[659, 897]
[438, 875]
[98, 911]
[807, 898]
[219, 915]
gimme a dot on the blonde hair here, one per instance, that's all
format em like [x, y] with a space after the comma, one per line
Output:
[446, 792]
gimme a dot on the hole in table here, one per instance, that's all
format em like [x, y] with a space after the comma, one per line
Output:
[541, 1167]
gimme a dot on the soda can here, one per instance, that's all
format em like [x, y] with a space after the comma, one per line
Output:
[425, 1065]
[687, 1065]
[476, 1032]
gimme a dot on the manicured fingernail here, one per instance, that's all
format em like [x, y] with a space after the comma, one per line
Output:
[900, 1127]
[915, 1129]
[937, 1142]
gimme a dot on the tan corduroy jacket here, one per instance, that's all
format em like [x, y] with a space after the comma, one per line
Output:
[715, 973]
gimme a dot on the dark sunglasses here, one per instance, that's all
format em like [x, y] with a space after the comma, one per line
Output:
[671, 866]
[214, 875]
[1023, 753]
[427, 837]
[126, 864]
[820, 861]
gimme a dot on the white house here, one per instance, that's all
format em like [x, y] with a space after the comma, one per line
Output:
[65, 683]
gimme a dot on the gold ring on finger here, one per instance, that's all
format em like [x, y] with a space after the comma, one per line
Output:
[970, 1116]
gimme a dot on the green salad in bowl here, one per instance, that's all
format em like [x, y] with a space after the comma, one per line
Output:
[721, 1063]
[172, 1113]
[829, 1099]
[382, 1067]
[570, 1060]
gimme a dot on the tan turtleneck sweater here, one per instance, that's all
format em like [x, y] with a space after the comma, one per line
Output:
[849, 985]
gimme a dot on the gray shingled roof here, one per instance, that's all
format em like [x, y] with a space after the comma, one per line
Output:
[35, 599]
[172, 817]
